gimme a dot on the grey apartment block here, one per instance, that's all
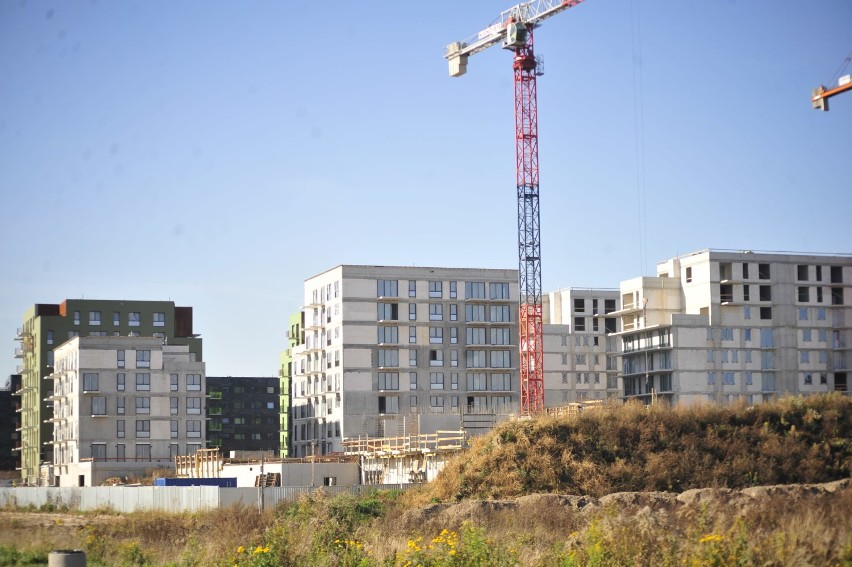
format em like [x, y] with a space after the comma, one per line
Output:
[123, 405]
[393, 350]
[580, 359]
[725, 326]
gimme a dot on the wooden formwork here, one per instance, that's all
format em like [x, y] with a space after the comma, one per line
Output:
[205, 463]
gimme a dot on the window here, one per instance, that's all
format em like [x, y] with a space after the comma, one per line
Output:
[728, 378]
[159, 319]
[475, 358]
[802, 273]
[498, 291]
[412, 335]
[143, 428]
[500, 314]
[143, 381]
[564, 377]
[501, 382]
[475, 290]
[822, 335]
[173, 406]
[90, 382]
[808, 378]
[388, 381]
[821, 314]
[119, 406]
[579, 305]
[766, 313]
[388, 404]
[134, 319]
[143, 405]
[474, 313]
[436, 289]
[454, 335]
[50, 337]
[726, 293]
[193, 382]
[501, 359]
[99, 405]
[412, 288]
[804, 356]
[119, 429]
[76, 317]
[806, 335]
[193, 428]
[436, 404]
[454, 358]
[747, 334]
[143, 452]
[688, 275]
[436, 312]
[454, 381]
[143, 359]
[388, 357]
[94, 317]
[436, 357]
[174, 428]
[727, 334]
[765, 292]
[763, 271]
[749, 380]
[436, 335]
[193, 406]
[387, 311]
[412, 380]
[579, 324]
[454, 291]
[388, 334]
[711, 378]
[580, 359]
[387, 288]
[412, 311]
[746, 312]
[746, 290]
[119, 381]
[173, 382]
[837, 296]
[454, 312]
[436, 380]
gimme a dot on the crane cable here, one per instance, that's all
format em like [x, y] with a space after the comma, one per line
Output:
[840, 70]
[639, 129]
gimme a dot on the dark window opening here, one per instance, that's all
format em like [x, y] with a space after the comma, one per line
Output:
[766, 293]
[763, 271]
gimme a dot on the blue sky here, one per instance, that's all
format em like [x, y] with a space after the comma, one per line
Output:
[219, 153]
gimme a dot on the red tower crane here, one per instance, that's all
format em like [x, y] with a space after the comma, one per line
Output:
[514, 27]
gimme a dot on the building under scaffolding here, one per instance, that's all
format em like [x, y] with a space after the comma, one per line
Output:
[405, 459]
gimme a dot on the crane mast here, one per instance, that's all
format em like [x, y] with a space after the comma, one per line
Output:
[515, 28]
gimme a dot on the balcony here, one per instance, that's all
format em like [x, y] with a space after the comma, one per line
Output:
[19, 353]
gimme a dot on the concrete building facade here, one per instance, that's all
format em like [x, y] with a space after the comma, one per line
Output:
[580, 359]
[725, 326]
[393, 351]
[123, 405]
[243, 413]
[46, 326]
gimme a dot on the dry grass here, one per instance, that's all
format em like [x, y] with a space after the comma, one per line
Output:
[636, 448]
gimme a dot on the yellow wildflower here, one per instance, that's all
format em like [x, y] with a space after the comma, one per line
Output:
[240, 549]
[710, 538]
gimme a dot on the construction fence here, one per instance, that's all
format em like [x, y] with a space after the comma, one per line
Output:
[175, 499]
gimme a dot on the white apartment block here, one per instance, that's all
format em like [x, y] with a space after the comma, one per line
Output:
[402, 350]
[123, 405]
[724, 326]
[580, 360]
